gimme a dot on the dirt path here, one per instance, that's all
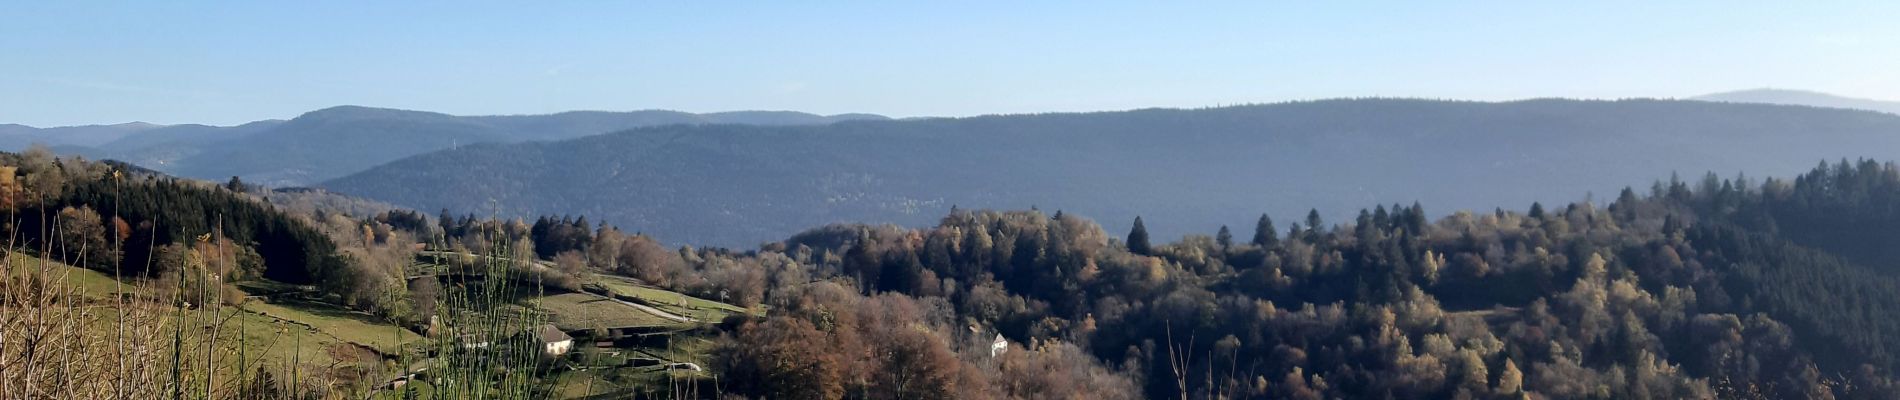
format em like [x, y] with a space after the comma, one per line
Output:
[650, 310]
[544, 264]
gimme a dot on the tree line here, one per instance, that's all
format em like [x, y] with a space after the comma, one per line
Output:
[1721, 288]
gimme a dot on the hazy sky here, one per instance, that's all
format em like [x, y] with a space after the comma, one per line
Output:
[64, 63]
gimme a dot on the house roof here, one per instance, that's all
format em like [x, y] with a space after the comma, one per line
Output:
[551, 334]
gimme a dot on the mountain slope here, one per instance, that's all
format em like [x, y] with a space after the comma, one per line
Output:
[322, 143]
[336, 141]
[1802, 98]
[13, 136]
[164, 147]
[1184, 170]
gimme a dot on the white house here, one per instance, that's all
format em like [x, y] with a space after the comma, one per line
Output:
[469, 342]
[999, 346]
[554, 342]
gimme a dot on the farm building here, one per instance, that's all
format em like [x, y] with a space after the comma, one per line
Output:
[554, 342]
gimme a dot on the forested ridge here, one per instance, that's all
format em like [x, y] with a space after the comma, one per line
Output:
[1196, 169]
[1802, 97]
[332, 142]
[136, 224]
[105, 215]
[1678, 292]
[1668, 295]
[1710, 288]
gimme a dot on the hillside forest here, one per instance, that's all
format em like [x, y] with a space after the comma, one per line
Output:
[738, 186]
[1715, 287]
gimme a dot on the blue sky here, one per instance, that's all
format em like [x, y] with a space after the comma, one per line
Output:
[64, 63]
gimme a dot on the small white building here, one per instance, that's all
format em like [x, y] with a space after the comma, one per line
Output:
[999, 346]
[471, 341]
[554, 342]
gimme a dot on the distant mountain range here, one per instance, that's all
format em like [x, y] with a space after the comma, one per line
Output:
[336, 141]
[690, 178]
[16, 136]
[1802, 98]
[1187, 171]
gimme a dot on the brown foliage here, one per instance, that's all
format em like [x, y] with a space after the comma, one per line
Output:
[643, 258]
[783, 358]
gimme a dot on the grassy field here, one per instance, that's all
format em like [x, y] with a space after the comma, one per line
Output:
[258, 338]
[341, 324]
[275, 341]
[602, 373]
[703, 310]
[575, 311]
[582, 384]
[92, 284]
[308, 334]
[315, 334]
[694, 307]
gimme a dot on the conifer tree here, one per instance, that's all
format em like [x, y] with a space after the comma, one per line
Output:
[1225, 238]
[1263, 233]
[1314, 226]
[236, 185]
[1138, 239]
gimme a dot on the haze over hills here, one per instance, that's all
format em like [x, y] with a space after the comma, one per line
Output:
[1802, 98]
[335, 141]
[853, 181]
[15, 135]
[1185, 171]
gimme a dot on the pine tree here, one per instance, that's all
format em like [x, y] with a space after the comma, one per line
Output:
[447, 222]
[1415, 219]
[1138, 239]
[236, 185]
[1225, 238]
[1263, 233]
[1314, 226]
